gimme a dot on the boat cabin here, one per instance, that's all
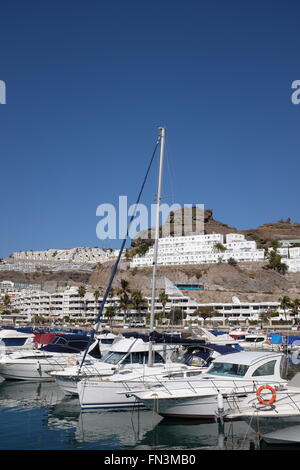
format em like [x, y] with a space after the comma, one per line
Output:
[271, 367]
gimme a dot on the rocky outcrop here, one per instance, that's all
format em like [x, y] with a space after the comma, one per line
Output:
[184, 222]
[281, 230]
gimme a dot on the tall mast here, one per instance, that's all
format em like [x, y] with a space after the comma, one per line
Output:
[156, 237]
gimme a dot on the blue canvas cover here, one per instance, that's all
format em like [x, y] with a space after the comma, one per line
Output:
[275, 338]
[69, 343]
[291, 339]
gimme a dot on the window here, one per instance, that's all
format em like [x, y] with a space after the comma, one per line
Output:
[229, 370]
[141, 358]
[114, 358]
[265, 369]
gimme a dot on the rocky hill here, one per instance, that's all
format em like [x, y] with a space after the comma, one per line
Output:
[175, 225]
[249, 281]
[281, 230]
[184, 222]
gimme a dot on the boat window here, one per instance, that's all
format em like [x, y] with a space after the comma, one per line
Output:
[36, 357]
[265, 369]
[193, 374]
[229, 370]
[141, 358]
[174, 375]
[59, 340]
[114, 357]
[284, 368]
[255, 339]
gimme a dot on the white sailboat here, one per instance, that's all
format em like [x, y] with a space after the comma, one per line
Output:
[110, 392]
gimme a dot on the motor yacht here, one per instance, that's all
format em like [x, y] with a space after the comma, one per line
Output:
[35, 364]
[223, 386]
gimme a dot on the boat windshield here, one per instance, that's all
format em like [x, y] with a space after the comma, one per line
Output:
[114, 357]
[254, 339]
[227, 369]
[132, 358]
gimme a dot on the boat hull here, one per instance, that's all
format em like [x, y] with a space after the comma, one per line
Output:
[204, 407]
[31, 370]
[105, 395]
[196, 408]
[25, 372]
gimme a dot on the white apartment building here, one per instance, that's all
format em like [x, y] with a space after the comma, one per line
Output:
[291, 257]
[293, 264]
[286, 243]
[7, 286]
[32, 266]
[74, 255]
[240, 310]
[69, 304]
[57, 304]
[198, 249]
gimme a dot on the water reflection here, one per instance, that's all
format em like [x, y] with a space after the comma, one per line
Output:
[119, 429]
[29, 394]
[196, 434]
[62, 420]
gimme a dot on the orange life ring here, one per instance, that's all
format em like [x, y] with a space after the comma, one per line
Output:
[261, 400]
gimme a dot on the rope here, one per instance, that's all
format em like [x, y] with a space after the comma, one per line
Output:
[115, 267]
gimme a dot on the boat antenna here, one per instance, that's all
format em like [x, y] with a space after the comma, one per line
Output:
[115, 267]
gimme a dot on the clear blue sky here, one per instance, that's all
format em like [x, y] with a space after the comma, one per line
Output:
[88, 82]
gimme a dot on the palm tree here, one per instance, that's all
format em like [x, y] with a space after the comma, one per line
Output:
[163, 298]
[7, 302]
[137, 300]
[124, 286]
[275, 244]
[81, 293]
[296, 306]
[266, 316]
[219, 247]
[205, 312]
[124, 293]
[285, 303]
[110, 313]
[96, 296]
[128, 254]
[112, 292]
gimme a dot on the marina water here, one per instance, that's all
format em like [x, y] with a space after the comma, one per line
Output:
[38, 416]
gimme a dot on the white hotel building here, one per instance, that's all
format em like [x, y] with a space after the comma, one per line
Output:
[198, 249]
[291, 257]
[74, 255]
[69, 304]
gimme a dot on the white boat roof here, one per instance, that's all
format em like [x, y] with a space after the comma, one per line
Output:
[14, 334]
[246, 357]
[133, 345]
[106, 336]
